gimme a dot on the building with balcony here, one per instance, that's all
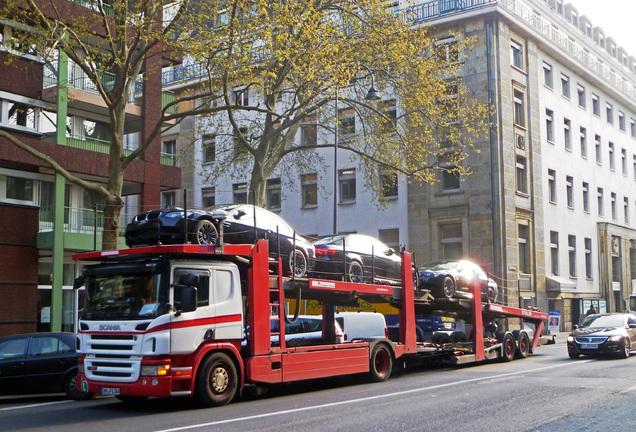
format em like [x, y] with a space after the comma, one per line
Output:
[550, 207]
[38, 280]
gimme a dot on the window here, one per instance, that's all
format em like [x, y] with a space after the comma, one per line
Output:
[450, 178]
[388, 184]
[347, 185]
[632, 128]
[580, 90]
[596, 105]
[240, 150]
[21, 114]
[624, 161]
[168, 199]
[518, 109]
[208, 196]
[572, 255]
[552, 186]
[567, 136]
[613, 205]
[549, 125]
[548, 80]
[522, 179]
[612, 162]
[626, 209]
[516, 54]
[20, 189]
[447, 51]
[634, 157]
[586, 197]
[599, 195]
[346, 124]
[241, 97]
[621, 121]
[610, 113]
[273, 196]
[583, 133]
[565, 86]
[209, 148]
[524, 249]
[554, 252]
[569, 187]
[239, 192]
[390, 237]
[451, 241]
[309, 189]
[599, 150]
[309, 134]
[588, 258]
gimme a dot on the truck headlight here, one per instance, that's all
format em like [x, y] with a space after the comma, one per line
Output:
[155, 370]
[80, 367]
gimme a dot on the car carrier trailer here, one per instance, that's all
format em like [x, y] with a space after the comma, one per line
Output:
[196, 321]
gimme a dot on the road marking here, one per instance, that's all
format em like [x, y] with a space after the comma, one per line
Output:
[365, 399]
[34, 405]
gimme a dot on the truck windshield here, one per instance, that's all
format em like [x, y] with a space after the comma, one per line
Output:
[127, 296]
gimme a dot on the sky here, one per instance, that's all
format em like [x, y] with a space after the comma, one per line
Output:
[616, 17]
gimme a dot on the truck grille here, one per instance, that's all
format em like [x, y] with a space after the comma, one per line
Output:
[112, 357]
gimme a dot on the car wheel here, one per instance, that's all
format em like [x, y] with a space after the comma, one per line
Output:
[205, 233]
[73, 391]
[448, 288]
[217, 381]
[626, 349]
[298, 264]
[458, 336]
[573, 355]
[492, 295]
[381, 363]
[356, 274]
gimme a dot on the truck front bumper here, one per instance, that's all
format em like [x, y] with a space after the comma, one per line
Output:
[144, 386]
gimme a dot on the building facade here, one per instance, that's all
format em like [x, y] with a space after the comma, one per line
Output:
[549, 209]
[47, 219]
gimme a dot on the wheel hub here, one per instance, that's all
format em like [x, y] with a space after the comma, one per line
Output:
[219, 380]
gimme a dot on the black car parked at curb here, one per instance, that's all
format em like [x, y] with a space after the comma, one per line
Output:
[39, 363]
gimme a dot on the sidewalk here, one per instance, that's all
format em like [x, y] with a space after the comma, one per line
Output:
[556, 338]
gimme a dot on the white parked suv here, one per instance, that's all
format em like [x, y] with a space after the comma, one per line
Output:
[362, 325]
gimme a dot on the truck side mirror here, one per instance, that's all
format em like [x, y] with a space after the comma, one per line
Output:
[188, 298]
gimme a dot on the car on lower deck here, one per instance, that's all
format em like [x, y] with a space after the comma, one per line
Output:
[604, 334]
[39, 363]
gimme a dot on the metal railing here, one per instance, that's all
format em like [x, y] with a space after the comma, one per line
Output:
[81, 220]
[94, 5]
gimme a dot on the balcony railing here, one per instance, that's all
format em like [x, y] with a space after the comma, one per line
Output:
[80, 220]
[94, 5]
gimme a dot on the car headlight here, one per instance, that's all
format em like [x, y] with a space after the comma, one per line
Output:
[173, 215]
[570, 338]
[155, 370]
[616, 338]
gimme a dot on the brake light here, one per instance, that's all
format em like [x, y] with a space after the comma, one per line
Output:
[386, 332]
[325, 251]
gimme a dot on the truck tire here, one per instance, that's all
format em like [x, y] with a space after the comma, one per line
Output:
[205, 233]
[508, 347]
[381, 363]
[216, 381]
[355, 274]
[458, 336]
[523, 344]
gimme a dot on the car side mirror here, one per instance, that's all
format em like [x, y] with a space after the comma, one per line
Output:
[239, 214]
[79, 281]
[389, 252]
[632, 325]
[575, 326]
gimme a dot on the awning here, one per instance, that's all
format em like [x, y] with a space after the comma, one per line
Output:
[558, 283]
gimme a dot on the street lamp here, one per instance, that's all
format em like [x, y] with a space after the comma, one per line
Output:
[372, 95]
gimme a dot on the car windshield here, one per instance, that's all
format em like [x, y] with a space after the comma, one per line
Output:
[331, 240]
[603, 321]
[124, 296]
[442, 265]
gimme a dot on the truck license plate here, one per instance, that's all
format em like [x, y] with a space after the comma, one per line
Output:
[589, 346]
[109, 391]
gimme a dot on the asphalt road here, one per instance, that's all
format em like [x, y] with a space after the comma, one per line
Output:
[545, 392]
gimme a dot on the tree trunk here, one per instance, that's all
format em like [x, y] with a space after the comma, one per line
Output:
[112, 214]
[258, 186]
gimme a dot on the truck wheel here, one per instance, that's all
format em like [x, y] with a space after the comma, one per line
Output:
[205, 233]
[523, 344]
[73, 391]
[217, 381]
[508, 348]
[356, 274]
[298, 264]
[381, 363]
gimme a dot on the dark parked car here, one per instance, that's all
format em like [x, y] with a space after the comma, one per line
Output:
[39, 363]
[448, 279]
[603, 334]
[166, 226]
[366, 258]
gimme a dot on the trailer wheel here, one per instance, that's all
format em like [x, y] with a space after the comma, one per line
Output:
[217, 381]
[508, 348]
[205, 233]
[523, 344]
[381, 363]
